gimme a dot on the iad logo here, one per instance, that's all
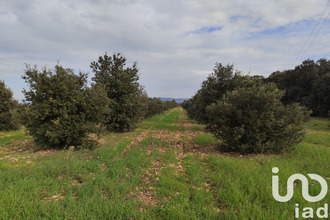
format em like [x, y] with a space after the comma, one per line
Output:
[304, 182]
[307, 211]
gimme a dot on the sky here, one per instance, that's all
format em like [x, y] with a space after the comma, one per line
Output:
[176, 43]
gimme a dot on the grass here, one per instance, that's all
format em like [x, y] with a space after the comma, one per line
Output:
[204, 139]
[168, 168]
[10, 137]
[317, 132]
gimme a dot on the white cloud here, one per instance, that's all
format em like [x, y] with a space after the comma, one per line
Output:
[257, 36]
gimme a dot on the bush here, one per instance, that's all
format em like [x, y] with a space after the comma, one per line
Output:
[170, 104]
[61, 110]
[123, 90]
[8, 109]
[155, 106]
[223, 79]
[253, 120]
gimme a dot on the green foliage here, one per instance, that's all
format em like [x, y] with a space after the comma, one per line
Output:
[320, 95]
[98, 104]
[221, 80]
[170, 104]
[308, 84]
[61, 111]
[123, 90]
[253, 120]
[155, 106]
[129, 102]
[8, 109]
[140, 102]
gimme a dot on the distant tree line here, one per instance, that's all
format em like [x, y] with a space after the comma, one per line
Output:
[307, 84]
[253, 114]
[60, 110]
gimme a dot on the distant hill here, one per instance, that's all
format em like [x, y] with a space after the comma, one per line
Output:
[178, 100]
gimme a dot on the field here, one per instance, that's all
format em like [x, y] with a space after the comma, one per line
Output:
[168, 168]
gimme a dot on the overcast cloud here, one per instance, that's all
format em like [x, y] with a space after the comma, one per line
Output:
[176, 43]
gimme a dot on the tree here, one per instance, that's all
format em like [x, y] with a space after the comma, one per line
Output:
[221, 80]
[140, 103]
[320, 95]
[61, 109]
[170, 104]
[254, 120]
[98, 104]
[155, 106]
[306, 84]
[122, 87]
[8, 108]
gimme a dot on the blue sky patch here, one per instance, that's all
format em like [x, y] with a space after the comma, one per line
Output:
[300, 28]
[204, 30]
[235, 18]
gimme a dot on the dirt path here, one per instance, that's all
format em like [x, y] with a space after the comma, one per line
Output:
[178, 139]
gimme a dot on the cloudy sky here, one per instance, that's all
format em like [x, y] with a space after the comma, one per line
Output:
[175, 42]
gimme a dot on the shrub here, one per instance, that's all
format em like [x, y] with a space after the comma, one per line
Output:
[123, 90]
[170, 104]
[223, 79]
[253, 120]
[8, 109]
[61, 110]
[155, 106]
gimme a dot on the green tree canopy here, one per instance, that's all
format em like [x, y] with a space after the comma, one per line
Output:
[307, 84]
[221, 80]
[61, 109]
[7, 107]
[122, 88]
[254, 120]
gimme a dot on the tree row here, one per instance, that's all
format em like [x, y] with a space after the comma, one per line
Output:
[253, 114]
[61, 110]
